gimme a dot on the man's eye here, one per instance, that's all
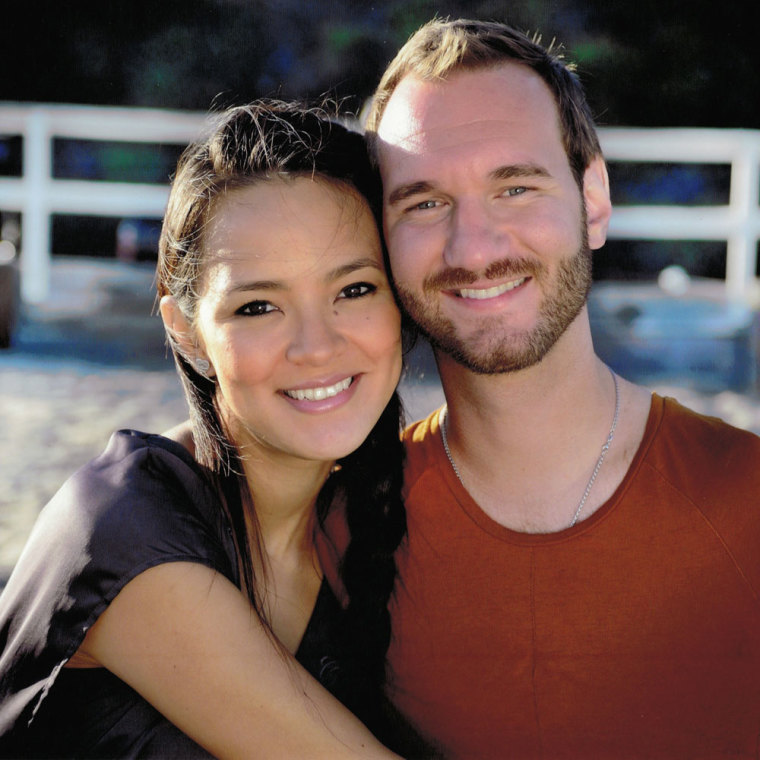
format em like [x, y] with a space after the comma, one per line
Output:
[357, 290]
[423, 206]
[255, 309]
[512, 191]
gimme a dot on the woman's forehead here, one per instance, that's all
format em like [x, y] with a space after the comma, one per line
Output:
[282, 228]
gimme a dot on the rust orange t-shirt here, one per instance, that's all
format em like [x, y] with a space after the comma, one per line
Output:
[634, 634]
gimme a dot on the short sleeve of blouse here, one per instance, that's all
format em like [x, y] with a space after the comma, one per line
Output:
[141, 503]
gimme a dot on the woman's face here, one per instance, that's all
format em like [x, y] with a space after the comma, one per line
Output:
[297, 319]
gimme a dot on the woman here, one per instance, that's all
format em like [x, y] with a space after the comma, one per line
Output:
[166, 588]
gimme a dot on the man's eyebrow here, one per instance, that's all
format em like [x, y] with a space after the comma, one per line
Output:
[508, 171]
[512, 171]
[402, 192]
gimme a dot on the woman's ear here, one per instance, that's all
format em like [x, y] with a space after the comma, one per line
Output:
[596, 196]
[183, 336]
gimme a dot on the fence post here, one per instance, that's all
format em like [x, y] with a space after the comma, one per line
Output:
[741, 248]
[35, 219]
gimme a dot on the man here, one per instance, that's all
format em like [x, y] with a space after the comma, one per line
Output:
[581, 577]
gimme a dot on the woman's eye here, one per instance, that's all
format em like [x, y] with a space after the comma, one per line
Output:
[357, 290]
[255, 309]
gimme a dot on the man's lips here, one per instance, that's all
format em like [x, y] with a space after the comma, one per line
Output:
[481, 294]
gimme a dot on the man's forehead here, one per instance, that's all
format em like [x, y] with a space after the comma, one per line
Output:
[418, 137]
[469, 106]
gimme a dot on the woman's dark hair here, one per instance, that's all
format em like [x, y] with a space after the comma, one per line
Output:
[249, 145]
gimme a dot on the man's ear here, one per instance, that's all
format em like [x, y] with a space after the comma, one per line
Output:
[182, 334]
[596, 196]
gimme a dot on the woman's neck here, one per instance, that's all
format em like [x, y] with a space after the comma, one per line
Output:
[285, 496]
[281, 526]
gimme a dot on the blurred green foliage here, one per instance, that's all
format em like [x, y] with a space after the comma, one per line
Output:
[644, 63]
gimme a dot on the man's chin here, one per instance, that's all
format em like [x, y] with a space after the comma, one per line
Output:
[485, 360]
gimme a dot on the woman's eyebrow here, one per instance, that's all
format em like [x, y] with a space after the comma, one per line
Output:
[242, 287]
[353, 266]
[332, 275]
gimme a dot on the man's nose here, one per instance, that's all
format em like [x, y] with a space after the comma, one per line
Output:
[474, 240]
[315, 339]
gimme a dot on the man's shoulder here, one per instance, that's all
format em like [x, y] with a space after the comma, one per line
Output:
[703, 436]
[713, 464]
[419, 435]
[702, 462]
[421, 442]
[419, 430]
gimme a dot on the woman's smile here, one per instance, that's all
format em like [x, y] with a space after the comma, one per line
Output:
[320, 392]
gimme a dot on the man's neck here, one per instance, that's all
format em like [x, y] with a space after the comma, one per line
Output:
[526, 442]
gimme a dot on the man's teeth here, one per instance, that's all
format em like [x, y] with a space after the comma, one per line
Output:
[497, 290]
[318, 394]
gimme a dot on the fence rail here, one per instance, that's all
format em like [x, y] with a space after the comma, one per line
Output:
[37, 194]
[738, 222]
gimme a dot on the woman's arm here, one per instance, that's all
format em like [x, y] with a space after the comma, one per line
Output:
[186, 639]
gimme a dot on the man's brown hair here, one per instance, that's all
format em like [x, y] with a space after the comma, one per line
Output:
[441, 48]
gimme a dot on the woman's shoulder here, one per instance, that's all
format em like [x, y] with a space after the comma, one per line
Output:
[143, 502]
[140, 457]
[143, 495]
[134, 479]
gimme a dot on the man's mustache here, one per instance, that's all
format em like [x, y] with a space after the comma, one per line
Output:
[457, 277]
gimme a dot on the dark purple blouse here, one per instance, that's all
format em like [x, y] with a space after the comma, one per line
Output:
[141, 503]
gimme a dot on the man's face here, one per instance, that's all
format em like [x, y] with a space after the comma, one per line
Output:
[488, 234]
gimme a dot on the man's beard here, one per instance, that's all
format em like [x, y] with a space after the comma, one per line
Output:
[490, 349]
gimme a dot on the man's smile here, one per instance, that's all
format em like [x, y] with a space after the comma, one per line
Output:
[482, 294]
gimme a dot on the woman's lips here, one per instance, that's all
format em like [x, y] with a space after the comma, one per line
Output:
[320, 392]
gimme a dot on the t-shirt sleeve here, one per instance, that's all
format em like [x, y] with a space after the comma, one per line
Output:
[141, 503]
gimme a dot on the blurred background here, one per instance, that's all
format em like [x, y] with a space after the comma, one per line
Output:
[645, 63]
[82, 352]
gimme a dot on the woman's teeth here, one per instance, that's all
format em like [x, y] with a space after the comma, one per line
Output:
[318, 394]
[497, 290]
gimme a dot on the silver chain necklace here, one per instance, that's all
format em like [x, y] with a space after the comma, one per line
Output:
[443, 422]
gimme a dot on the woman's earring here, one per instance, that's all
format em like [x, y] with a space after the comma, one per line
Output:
[202, 366]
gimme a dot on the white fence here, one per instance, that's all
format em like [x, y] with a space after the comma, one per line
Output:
[738, 223]
[37, 195]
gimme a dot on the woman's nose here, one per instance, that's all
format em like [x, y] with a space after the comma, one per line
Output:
[315, 340]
